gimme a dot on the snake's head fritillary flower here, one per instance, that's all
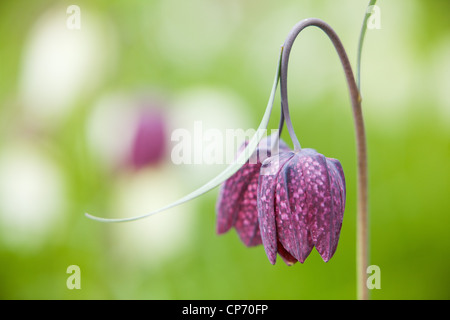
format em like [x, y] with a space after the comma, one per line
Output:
[149, 142]
[236, 205]
[301, 200]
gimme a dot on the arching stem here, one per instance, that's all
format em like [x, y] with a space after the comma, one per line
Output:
[231, 169]
[362, 195]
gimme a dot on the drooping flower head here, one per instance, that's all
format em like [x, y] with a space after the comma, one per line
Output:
[288, 201]
[301, 201]
[237, 201]
[300, 194]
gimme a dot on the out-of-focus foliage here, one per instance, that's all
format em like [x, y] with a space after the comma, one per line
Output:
[68, 106]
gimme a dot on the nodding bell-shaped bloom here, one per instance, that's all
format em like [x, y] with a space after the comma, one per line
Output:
[237, 201]
[301, 200]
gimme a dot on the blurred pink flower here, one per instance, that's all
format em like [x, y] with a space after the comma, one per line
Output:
[149, 141]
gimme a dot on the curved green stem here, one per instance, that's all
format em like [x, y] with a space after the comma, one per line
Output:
[362, 195]
[224, 175]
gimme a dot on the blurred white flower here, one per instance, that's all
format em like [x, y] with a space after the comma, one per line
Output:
[59, 64]
[214, 110]
[159, 238]
[32, 196]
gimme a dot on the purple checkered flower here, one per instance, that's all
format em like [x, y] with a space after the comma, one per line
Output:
[236, 204]
[301, 201]
[288, 201]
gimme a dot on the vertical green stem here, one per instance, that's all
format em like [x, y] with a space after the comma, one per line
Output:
[361, 41]
[362, 250]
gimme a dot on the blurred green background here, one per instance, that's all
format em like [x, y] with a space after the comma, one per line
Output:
[67, 97]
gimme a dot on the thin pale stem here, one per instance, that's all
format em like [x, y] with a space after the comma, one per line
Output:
[361, 41]
[224, 175]
[283, 87]
[362, 195]
[363, 224]
[276, 140]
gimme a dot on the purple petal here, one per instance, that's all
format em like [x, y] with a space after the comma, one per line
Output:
[231, 195]
[247, 218]
[266, 202]
[341, 178]
[321, 203]
[236, 205]
[265, 151]
[286, 256]
[337, 184]
[292, 216]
